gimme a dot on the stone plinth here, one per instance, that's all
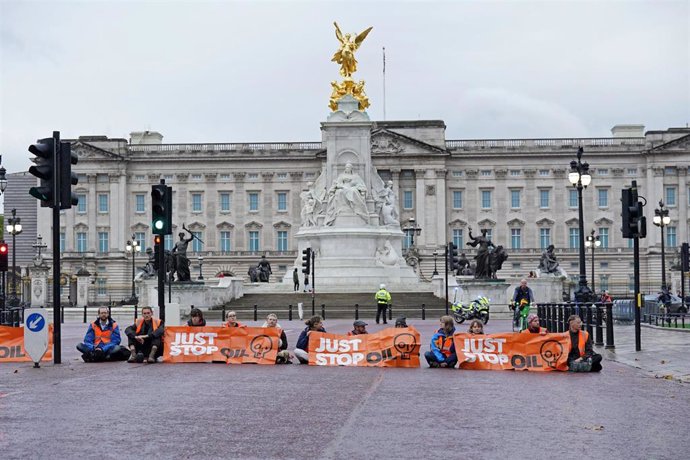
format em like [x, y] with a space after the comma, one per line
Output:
[214, 292]
[494, 290]
[39, 286]
[546, 288]
[83, 284]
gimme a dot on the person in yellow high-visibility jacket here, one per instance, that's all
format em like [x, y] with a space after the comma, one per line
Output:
[383, 299]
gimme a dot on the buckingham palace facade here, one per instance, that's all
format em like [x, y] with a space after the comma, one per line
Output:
[243, 200]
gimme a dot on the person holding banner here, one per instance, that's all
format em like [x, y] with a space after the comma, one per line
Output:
[196, 318]
[533, 325]
[401, 322]
[231, 320]
[359, 328]
[383, 299]
[315, 323]
[581, 357]
[442, 353]
[476, 327]
[102, 340]
[283, 356]
[145, 338]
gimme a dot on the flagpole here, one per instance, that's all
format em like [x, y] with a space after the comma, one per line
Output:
[384, 83]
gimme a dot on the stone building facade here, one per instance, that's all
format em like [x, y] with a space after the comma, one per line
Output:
[243, 200]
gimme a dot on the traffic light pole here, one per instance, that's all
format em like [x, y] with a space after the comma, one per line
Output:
[638, 295]
[161, 279]
[57, 333]
[313, 283]
[447, 248]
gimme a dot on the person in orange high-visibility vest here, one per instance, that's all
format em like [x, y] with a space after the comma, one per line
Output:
[581, 357]
[102, 340]
[533, 326]
[145, 338]
[442, 353]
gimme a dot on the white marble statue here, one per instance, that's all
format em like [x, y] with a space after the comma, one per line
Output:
[387, 256]
[389, 207]
[348, 193]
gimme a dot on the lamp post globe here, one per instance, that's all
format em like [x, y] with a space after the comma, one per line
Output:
[14, 228]
[661, 220]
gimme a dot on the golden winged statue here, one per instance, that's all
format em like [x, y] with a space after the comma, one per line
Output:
[345, 56]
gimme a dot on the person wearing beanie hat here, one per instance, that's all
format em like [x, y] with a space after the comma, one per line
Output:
[359, 328]
[383, 299]
[401, 322]
[533, 326]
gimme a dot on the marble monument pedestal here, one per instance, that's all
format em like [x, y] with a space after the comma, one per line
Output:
[494, 290]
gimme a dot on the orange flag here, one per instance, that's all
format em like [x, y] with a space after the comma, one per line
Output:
[234, 345]
[506, 351]
[392, 347]
[12, 345]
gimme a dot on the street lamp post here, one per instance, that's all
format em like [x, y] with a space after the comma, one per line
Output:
[661, 220]
[14, 228]
[579, 177]
[201, 263]
[592, 242]
[435, 269]
[133, 246]
[411, 230]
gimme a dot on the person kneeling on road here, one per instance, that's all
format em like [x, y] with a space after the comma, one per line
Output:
[314, 324]
[533, 325]
[581, 357]
[102, 340]
[145, 337]
[442, 352]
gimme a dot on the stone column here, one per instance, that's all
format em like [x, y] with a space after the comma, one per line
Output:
[39, 286]
[242, 211]
[83, 282]
[441, 221]
[269, 209]
[420, 206]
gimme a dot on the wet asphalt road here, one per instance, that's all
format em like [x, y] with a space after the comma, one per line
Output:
[120, 410]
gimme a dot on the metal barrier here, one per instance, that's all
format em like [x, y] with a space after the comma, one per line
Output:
[13, 317]
[667, 320]
[595, 317]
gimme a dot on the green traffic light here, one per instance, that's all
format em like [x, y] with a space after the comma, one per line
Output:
[158, 225]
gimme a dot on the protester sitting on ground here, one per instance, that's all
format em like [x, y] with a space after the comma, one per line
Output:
[102, 340]
[401, 322]
[314, 324]
[231, 320]
[476, 327]
[581, 356]
[442, 353]
[533, 325]
[359, 328]
[145, 338]
[196, 318]
[283, 356]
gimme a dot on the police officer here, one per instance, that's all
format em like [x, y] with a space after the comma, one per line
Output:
[383, 299]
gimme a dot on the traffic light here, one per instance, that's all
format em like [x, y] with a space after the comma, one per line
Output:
[161, 209]
[453, 259]
[306, 261]
[67, 177]
[3, 256]
[157, 245]
[634, 223]
[44, 169]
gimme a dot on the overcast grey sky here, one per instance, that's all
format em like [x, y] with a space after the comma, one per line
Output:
[224, 71]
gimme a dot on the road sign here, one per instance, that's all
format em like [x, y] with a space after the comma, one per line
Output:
[35, 334]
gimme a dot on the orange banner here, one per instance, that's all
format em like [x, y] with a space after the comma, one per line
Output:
[12, 345]
[234, 345]
[525, 352]
[393, 347]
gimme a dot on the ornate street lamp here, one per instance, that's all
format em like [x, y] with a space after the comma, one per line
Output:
[133, 247]
[592, 242]
[579, 177]
[201, 263]
[661, 220]
[14, 228]
[412, 229]
[435, 270]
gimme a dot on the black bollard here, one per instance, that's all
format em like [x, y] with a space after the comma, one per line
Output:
[256, 313]
[323, 311]
[423, 311]
[290, 312]
[84, 314]
[390, 312]
[609, 326]
[136, 312]
[62, 313]
[356, 311]
[599, 331]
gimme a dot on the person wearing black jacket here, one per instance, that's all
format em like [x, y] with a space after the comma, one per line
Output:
[581, 356]
[145, 338]
[196, 318]
[314, 324]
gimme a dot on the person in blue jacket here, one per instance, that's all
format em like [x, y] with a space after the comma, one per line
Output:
[314, 324]
[442, 353]
[102, 340]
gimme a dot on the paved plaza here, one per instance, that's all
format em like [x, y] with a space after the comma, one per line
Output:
[119, 410]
